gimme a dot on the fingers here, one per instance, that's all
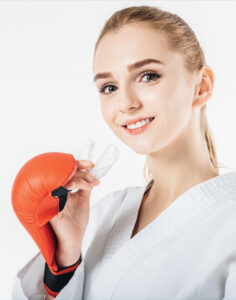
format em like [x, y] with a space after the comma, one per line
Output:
[82, 180]
[84, 164]
[88, 176]
[78, 182]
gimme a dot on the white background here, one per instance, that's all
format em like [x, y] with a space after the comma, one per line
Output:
[49, 103]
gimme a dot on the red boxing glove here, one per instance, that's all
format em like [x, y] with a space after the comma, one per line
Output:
[38, 195]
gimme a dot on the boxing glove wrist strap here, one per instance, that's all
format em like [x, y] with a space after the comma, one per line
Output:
[54, 282]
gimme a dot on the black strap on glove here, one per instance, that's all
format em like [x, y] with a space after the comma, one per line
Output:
[61, 192]
[54, 282]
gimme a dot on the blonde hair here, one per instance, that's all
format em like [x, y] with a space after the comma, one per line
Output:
[181, 38]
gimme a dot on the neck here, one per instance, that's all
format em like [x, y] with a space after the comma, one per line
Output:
[178, 167]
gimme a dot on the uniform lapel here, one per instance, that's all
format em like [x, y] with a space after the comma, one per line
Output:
[121, 250]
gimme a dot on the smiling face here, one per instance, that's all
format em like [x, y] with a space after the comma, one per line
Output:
[166, 94]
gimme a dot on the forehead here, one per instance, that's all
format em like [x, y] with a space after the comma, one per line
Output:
[132, 43]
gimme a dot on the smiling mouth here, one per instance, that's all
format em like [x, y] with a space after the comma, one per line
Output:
[150, 120]
[138, 130]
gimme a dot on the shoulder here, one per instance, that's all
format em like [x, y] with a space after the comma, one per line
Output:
[222, 221]
[228, 213]
[104, 212]
[113, 199]
[118, 196]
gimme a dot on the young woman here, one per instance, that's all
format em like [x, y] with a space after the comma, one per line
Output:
[175, 237]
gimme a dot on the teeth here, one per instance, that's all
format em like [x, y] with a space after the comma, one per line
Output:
[139, 124]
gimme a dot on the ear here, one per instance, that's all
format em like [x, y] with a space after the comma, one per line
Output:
[204, 89]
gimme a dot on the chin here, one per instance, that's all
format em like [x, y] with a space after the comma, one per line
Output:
[137, 144]
[140, 150]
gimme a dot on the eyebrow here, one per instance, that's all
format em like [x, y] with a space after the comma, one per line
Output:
[130, 68]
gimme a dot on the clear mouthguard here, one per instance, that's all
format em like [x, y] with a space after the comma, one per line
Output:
[105, 161]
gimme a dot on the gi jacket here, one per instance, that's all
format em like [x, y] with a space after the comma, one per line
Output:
[187, 252]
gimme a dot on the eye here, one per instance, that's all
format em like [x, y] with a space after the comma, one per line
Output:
[102, 89]
[151, 74]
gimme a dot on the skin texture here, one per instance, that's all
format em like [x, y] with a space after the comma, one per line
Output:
[175, 148]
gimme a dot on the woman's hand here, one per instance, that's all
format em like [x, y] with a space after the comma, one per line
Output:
[70, 224]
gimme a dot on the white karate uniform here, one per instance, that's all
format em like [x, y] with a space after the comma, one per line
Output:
[187, 252]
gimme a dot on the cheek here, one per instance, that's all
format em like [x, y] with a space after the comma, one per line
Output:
[108, 114]
[175, 95]
[177, 116]
[173, 108]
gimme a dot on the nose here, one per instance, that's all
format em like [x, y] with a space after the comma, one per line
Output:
[128, 99]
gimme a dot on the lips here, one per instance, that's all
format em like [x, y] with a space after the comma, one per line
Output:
[138, 130]
[133, 121]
